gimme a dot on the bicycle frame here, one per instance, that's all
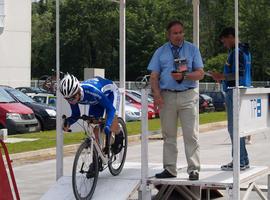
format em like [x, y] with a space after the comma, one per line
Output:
[94, 142]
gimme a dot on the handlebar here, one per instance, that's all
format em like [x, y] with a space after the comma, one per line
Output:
[89, 119]
[92, 120]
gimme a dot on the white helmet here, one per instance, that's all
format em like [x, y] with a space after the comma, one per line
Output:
[69, 86]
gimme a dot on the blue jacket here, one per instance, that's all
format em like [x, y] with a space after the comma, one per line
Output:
[244, 67]
[97, 92]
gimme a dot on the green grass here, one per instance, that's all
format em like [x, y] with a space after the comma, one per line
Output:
[47, 139]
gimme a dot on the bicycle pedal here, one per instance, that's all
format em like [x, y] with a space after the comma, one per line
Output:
[100, 165]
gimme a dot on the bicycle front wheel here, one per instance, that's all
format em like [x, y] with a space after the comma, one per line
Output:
[117, 161]
[85, 171]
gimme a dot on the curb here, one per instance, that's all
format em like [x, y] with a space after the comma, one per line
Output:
[69, 149]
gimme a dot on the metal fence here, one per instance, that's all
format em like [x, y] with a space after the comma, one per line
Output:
[130, 85]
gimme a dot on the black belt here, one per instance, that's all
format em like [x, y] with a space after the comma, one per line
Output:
[169, 90]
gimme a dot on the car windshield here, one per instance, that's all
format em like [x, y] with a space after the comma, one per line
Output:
[5, 97]
[206, 96]
[20, 95]
[40, 99]
[138, 95]
[30, 90]
[52, 101]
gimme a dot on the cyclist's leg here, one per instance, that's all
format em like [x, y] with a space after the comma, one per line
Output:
[118, 141]
[114, 97]
[97, 111]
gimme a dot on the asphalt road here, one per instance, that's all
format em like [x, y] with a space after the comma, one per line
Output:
[35, 179]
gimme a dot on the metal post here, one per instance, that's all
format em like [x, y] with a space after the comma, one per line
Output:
[196, 22]
[196, 41]
[122, 61]
[236, 145]
[236, 98]
[59, 132]
[144, 192]
[268, 186]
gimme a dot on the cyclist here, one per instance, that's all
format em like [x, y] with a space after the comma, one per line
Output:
[102, 95]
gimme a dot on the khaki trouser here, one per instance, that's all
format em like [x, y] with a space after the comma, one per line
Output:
[183, 106]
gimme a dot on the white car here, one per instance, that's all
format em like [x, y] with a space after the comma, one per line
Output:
[45, 98]
[132, 113]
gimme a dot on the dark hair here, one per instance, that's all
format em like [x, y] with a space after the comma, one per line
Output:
[227, 32]
[172, 23]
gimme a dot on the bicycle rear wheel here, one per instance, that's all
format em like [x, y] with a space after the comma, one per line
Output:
[141, 82]
[85, 171]
[41, 81]
[117, 161]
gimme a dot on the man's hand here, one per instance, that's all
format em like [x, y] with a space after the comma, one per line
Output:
[217, 76]
[178, 76]
[158, 101]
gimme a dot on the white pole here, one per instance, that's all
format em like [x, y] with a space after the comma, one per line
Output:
[122, 32]
[236, 138]
[59, 132]
[144, 192]
[196, 41]
[196, 22]
[2, 16]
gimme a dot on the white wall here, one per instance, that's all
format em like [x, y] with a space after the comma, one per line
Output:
[15, 44]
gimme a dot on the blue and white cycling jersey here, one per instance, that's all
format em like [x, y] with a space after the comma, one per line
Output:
[101, 94]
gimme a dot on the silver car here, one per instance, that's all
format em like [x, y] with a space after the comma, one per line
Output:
[132, 113]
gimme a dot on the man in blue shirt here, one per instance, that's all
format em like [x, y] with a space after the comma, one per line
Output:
[101, 94]
[227, 37]
[175, 68]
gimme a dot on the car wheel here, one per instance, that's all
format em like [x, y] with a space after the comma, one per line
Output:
[39, 127]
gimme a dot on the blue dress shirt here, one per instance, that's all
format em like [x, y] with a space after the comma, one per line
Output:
[162, 62]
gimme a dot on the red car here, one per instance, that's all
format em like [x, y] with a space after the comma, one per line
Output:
[151, 112]
[16, 117]
[137, 96]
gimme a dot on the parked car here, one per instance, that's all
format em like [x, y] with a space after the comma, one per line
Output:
[33, 90]
[131, 112]
[16, 117]
[45, 98]
[205, 103]
[46, 115]
[218, 100]
[138, 98]
[137, 104]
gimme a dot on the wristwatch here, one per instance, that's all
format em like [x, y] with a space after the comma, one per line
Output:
[185, 76]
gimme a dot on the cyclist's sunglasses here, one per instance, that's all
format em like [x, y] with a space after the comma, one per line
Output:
[70, 99]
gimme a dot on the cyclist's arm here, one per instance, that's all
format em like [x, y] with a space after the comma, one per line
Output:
[75, 115]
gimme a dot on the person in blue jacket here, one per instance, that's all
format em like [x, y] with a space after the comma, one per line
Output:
[227, 78]
[101, 94]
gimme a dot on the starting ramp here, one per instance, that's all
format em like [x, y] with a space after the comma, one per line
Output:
[126, 185]
[108, 187]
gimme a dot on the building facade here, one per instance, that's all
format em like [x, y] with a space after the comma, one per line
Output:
[15, 43]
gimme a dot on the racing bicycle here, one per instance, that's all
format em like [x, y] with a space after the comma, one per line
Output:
[96, 153]
[142, 82]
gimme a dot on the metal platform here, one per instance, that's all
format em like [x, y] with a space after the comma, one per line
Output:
[211, 177]
[123, 186]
